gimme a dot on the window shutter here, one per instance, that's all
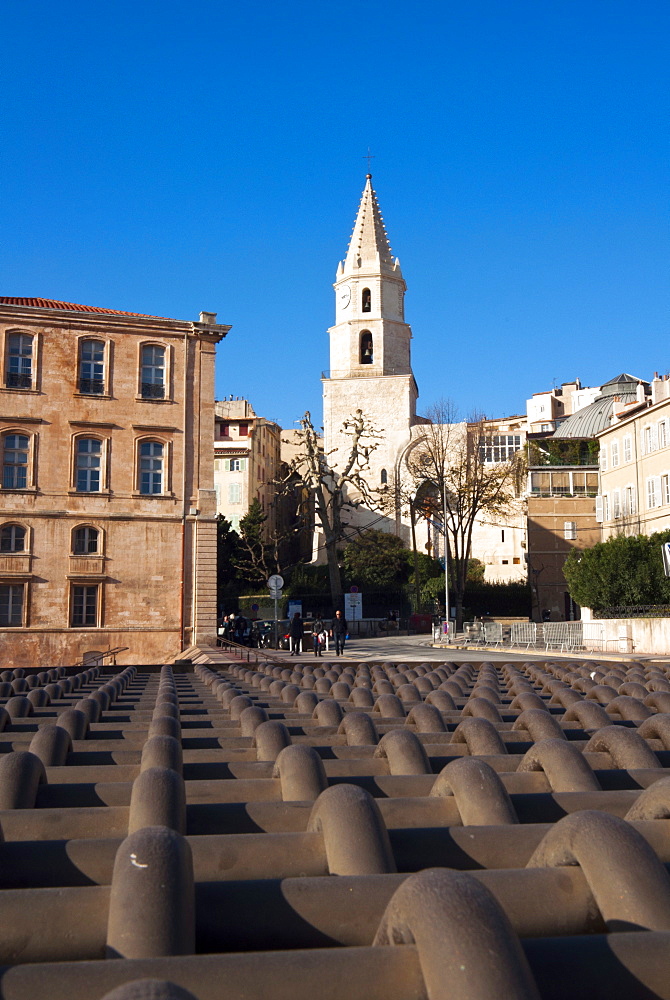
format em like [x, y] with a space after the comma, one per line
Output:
[599, 509]
[226, 465]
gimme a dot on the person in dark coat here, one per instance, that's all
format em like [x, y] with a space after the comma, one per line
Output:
[339, 632]
[296, 631]
[318, 636]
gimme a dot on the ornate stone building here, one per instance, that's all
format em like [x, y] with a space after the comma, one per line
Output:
[370, 366]
[371, 370]
[107, 503]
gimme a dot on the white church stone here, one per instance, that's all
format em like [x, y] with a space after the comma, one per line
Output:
[371, 371]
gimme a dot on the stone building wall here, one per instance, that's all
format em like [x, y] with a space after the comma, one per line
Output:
[150, 583]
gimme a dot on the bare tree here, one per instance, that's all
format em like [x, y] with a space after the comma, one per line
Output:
[454, 484]
[335, 490]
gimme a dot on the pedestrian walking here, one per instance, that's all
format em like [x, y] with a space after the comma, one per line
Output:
[338, 632]
[296, 632]
[318, 636]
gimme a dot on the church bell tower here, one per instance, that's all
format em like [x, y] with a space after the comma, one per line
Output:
[370, 366]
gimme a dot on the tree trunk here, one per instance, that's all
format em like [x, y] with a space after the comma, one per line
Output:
[334, 575]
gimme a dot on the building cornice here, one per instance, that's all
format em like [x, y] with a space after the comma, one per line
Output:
[15, 315]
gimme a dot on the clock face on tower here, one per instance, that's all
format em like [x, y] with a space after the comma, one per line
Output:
[344, 295]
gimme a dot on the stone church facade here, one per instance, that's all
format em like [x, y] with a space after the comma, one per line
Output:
[371, 370]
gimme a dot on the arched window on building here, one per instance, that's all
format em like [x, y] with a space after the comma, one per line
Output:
[153, 371]
[151, 467]
[384, 477]
[85, 540]
[15, 449]
[367, 356]
[92, 367]
[366, 300]
[88, 465]
[12, 538]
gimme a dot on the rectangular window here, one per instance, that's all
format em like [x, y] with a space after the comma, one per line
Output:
[225, 430]
[560, 482]
[603, 457]
[616, 504]
[665, 489]
[652, 499]
[12, 538]
[614, 454]
[662, 434]
[570, 530]
[630, 501]
[151, 467]
[498, 447]
[627, 448]
[19, 372]
[540, 482]
[234, 465]
[84, 606]
[11, 604]
[235, 522]
[235, 493]
[85, 541]
[15, 461]
[92, 367]
[153, 372]
[244, 430]
[88, 464]
[606, 507]
[646, 437]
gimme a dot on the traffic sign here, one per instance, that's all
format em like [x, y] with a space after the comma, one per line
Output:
[275, 581]
[275, 593]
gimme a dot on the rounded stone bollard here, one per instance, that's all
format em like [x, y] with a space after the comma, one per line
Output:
[158, 799]
[152, 898]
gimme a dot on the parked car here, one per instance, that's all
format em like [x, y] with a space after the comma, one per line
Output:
[265, 629]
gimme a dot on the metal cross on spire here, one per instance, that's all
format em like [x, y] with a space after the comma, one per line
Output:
[368, 158]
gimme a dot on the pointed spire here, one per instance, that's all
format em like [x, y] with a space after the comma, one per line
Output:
[369, 245]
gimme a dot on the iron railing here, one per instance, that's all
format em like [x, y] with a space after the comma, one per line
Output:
[15, 380]
[153, 390]
[634, 611]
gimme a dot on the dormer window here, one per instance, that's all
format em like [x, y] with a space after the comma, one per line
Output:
[366, 303]
[367, 356]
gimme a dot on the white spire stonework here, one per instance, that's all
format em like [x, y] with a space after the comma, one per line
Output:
[370, 366]
[369, 246]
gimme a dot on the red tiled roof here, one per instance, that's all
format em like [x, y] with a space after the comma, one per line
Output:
[70, 306]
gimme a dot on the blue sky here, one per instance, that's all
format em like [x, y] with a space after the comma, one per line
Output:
[172, 157]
